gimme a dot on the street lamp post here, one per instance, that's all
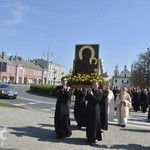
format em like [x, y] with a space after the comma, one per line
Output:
[1, 70]
[48, 54]
[54, 75]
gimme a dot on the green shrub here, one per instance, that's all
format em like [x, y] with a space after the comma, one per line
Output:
[43, 89]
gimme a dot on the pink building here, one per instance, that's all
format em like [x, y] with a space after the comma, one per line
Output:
[15, 69]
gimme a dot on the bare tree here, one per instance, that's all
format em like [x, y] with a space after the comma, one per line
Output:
[140, 76]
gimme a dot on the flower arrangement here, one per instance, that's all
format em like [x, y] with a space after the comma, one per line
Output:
[85, 79]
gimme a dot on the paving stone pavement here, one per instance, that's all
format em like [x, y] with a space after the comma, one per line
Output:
[22, 129]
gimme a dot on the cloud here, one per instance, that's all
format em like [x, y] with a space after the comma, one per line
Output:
[16, 13]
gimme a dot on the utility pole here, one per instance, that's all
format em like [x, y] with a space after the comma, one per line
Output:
[48, 54]
[1, 70]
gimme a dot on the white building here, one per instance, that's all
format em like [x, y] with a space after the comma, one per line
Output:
[121, 79]
[52, 72]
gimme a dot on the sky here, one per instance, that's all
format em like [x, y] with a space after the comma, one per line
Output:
[31, 28]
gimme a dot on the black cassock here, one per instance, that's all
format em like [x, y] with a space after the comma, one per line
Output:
[62, 118]
[104, 110]
[148, 100]
[143, 100]
[93, 126]
[80, 107]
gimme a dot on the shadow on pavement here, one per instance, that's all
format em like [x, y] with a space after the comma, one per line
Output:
[45, 125]
[130, 147]
[135, 119]
[8, 149]
[136, 130]
[43, 134]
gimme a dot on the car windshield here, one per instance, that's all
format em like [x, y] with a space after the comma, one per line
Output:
[5, 86]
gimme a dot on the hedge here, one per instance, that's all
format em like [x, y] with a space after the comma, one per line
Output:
[43, 89]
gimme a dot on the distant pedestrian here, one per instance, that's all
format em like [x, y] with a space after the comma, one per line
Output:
[123, 103]
[93, 126]
[62, 118]
[135, 100]
[143, 99]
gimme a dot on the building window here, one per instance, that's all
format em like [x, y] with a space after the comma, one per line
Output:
[125, 75]
[122, 81]
[115, 74]
[115, 81]
[127, 81]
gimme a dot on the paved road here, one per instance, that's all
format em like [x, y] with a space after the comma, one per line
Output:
[33, 128]
[22, 129]
[31, 101]
[47, 104]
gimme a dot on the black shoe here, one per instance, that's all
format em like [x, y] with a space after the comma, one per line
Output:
[68, 135]
[92, 144]
[79, 127]
[123, 125]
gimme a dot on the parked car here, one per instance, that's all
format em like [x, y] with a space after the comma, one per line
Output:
[7, 91]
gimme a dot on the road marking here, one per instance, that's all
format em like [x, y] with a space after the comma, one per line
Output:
[46, 109]
[32, 103]
[141, 125]
[53, 108]
[28, 99]
[134, 123]
[2, 132]
[21, 104]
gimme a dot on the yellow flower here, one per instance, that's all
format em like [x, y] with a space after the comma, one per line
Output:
[86, 79]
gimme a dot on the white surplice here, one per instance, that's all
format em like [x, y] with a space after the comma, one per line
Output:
[110, 106]
[123, 103]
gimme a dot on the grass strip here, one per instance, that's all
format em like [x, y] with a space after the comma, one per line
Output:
[6, 105]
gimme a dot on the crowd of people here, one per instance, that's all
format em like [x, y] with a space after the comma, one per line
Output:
[140, 99]
[94, 109]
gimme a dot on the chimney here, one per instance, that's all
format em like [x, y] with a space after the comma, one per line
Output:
[10, 58]
[36, 62]
[3, 55]
[20, 58]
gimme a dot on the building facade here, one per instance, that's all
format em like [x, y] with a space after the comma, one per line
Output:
[121, 79]
[52, 72]
[15, 69]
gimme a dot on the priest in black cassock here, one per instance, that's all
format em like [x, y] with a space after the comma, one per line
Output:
[80, 107]
[62, 118]
[104, 110]
[93, 126]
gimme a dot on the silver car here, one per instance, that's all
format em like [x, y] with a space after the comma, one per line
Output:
[7, 91]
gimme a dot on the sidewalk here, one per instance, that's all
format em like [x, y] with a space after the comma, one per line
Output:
[22, 129]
